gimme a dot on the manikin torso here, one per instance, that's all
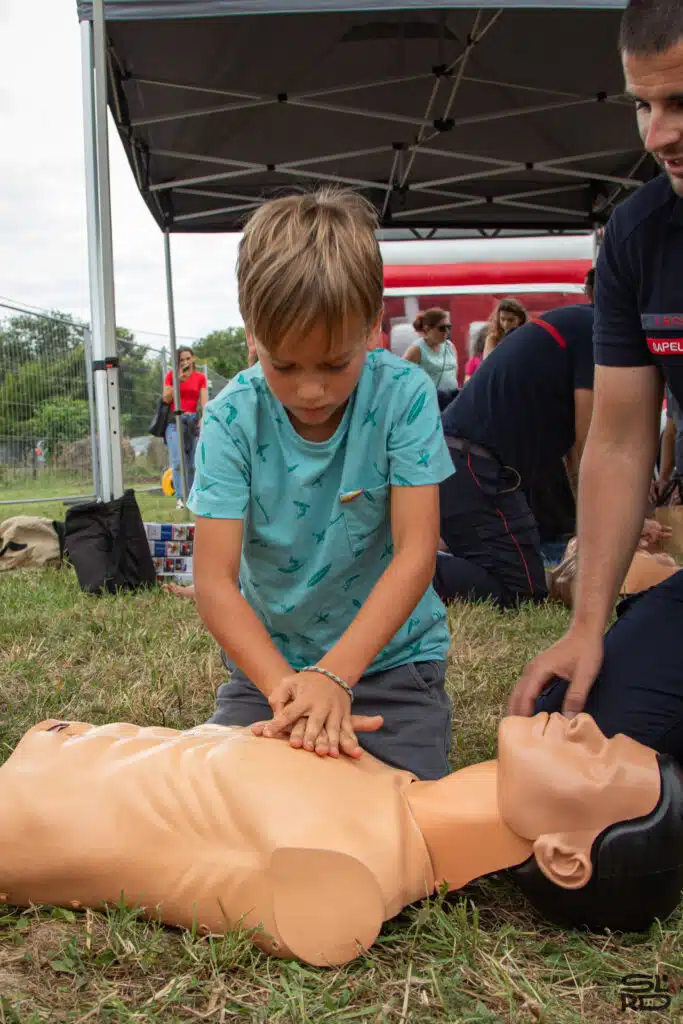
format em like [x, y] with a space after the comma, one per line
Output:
[159, 816]
[215, 828]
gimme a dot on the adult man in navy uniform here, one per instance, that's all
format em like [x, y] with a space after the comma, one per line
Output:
[632, 681]
[526, 409]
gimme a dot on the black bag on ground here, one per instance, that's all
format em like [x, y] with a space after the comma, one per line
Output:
[161, 417]
[108, 547]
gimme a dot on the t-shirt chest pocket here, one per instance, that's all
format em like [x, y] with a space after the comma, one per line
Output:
[366, 516]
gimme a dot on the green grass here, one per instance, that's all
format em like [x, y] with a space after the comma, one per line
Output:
[155, 508]
[54, 484]
[481, 956]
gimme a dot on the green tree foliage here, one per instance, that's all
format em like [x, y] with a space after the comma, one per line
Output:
[41, 363]
[140, 383]
[43, 387]
[224, 351]
[64, 419]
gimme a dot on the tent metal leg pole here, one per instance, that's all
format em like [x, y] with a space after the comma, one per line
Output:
[111, 367]
[103, 491]
[100, 254]
[174, 368]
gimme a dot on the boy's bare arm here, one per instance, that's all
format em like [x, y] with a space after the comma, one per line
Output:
[311, 705]
[227, 615]
[415, 532]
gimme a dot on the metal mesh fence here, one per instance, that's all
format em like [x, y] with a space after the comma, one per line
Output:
[215, 381]
[45, 411]
[143, 362]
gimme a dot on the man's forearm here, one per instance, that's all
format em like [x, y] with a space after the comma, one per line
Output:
[239, 631]
[390, 602]
[612, 496]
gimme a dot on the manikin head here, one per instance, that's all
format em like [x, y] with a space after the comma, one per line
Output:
[605, 817]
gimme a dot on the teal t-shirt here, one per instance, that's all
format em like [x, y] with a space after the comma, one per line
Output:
[317, 526]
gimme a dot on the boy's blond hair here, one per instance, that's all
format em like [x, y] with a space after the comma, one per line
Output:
[310, 259]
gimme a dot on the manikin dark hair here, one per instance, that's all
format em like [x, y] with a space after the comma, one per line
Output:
[651, 26]
[637, 870]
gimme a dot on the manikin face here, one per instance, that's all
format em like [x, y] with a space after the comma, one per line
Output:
[560, 775]
[655, 81]
[314, 382]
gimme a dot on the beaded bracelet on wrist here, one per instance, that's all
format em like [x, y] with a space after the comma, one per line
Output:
[331, 675]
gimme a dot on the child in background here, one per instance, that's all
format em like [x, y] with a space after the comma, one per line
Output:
[317, 503]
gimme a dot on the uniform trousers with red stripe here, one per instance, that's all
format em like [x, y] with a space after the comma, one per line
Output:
[491, 534]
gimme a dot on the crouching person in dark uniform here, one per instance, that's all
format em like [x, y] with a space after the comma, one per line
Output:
[528, 406]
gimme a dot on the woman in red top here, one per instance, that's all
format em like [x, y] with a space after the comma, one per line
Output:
[193, 398]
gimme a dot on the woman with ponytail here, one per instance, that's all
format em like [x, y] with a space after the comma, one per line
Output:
[435, 353]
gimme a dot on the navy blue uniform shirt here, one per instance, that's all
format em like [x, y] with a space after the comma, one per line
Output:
[520, 402]
[639, 285]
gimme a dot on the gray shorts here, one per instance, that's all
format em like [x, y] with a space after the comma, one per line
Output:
[416, 734]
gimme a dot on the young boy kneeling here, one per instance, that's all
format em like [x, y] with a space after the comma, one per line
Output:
[317, 499]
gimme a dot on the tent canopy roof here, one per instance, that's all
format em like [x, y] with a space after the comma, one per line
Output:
[501, 117]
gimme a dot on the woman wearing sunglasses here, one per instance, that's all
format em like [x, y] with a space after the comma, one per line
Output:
[435, 353]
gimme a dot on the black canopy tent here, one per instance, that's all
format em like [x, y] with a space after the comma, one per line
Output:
[502, 118]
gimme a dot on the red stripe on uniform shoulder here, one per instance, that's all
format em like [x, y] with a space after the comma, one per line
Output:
[553, 331]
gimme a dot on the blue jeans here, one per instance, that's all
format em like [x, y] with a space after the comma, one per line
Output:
[190, 437]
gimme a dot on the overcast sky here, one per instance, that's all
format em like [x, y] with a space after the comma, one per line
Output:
[43, 248]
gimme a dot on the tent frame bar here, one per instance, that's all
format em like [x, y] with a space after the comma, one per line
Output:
[555, 167]
[353, 87]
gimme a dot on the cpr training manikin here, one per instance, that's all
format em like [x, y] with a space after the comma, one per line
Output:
[216, 828]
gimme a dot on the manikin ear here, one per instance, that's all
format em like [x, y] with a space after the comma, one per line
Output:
[564, 858]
